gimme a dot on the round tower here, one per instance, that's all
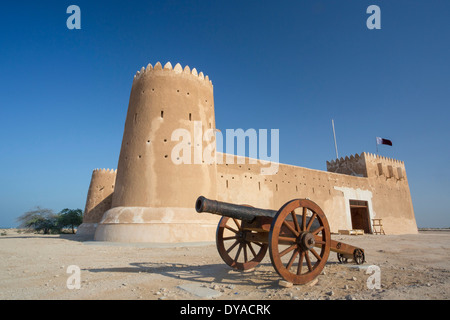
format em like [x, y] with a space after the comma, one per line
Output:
[161, 172]
[98, 201]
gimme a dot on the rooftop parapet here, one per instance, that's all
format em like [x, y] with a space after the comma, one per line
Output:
[362, 165]
[352, 158]
[366, 155]
[378, 158]
[354, 165]
[178, 69]
[114, 171]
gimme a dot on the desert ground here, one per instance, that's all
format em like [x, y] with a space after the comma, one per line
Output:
[36, 266]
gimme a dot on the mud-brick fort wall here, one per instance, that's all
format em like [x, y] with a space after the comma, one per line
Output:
[358, 178]
[390, 188]
[154, 196]
[98, 201]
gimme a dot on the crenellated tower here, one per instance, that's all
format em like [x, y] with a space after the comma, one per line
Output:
[98, 200]
[368, 165]
[154, 193]
[386, 189]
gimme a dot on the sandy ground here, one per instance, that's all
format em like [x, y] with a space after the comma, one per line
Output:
[35, 266]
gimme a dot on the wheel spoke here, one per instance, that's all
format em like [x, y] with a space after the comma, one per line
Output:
[237, 223]
[232, 246]
[288, 239]
[308, 261]
[294, 218]
[304, 219]
[290, 228]
[294, 255]
[258, 244]
[300, 263]
[311, 221]
[238, 252]
[251, 249]
[315, 232]
[318, 257]
[287, 250]
[231, 229]
[245, 253]
[229, 238]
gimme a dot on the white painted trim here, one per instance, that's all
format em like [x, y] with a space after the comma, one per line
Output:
[356, 194]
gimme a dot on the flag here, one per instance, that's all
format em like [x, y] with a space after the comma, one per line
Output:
[384, 141]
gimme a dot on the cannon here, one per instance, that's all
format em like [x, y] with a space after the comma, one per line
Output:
[297, 235]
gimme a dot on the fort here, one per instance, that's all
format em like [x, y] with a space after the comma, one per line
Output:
[150, 198]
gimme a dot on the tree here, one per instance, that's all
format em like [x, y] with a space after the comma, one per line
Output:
[39, 219]
[70, 218]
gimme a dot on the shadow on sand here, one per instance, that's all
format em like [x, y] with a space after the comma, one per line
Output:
[217, 273]
[264, 274]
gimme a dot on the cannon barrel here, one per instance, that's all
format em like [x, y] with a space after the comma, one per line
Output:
[231, 210]
[241, 212]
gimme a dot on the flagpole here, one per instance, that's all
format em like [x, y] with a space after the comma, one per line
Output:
[376, 142]
[335, 144]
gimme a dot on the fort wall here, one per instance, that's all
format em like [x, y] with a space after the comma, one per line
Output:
[387, 197]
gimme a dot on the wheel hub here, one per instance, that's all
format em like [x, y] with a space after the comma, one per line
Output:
[306, 240]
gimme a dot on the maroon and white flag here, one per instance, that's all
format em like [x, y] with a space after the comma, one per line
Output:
[384, 141]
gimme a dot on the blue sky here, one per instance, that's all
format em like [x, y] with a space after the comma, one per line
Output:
[287, 65]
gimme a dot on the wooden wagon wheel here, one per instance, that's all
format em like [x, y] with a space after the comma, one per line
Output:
[342, 258]
[358, 256]
[235, 250]
[299, 241]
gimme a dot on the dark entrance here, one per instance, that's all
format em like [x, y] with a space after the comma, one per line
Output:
[359, 211]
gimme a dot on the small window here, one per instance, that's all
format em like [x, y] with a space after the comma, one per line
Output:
[162, 114]
[400, 173]
[380, 169]
[390, 171]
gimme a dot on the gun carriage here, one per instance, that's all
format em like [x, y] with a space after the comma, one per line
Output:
[297, 236]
